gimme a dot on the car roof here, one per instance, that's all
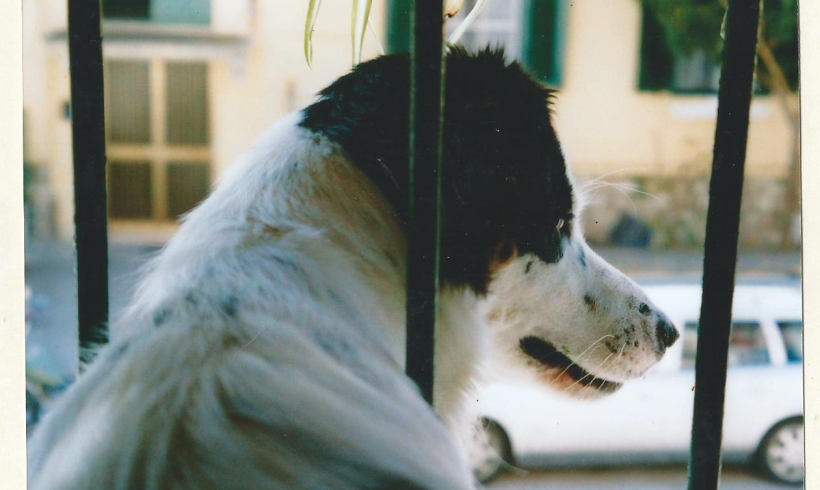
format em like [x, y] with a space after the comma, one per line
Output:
[752, 301]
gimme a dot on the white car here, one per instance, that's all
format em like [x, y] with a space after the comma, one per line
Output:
[650, 419]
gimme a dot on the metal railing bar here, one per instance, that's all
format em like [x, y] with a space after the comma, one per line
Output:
[720, 254]
[88, 140]
[424, 217]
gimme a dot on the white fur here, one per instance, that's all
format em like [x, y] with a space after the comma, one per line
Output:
[612, 343]
[265, 347]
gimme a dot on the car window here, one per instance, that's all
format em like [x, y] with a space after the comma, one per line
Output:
[793, 338]
[747, 345]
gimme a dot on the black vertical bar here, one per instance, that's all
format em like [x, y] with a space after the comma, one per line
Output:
[720, 255]
[426, 101]
[88, 139]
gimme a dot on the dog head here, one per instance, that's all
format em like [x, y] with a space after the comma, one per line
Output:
[509, 232]
[556, 309]
[575, 323]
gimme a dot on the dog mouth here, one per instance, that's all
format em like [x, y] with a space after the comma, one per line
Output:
[549, 356]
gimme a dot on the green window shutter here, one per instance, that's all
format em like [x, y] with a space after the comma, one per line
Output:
[398, 26]
[544, 39]
[657, 63]
[125, 9]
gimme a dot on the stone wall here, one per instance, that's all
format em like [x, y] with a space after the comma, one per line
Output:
[673, 208]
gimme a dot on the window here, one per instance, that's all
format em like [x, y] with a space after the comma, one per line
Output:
[158, 138]
[747, 345]
[531, 31]
[129, 102]
[696, 72]
[187, 104]
[660, 69]
[130, 190]
[500, 24]
[188, 183]
[162, 11]
[793, 338]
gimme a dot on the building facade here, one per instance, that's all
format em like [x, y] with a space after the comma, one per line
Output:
[190, 84]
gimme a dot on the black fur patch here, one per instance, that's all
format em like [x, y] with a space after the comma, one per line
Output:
[644, 309]
[504, 173]
[590, 302]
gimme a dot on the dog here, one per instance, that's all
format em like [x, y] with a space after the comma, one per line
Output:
[265, 347]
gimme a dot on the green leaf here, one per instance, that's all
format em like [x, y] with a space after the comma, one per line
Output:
[467, 22]
[361, 13]
[310, 21]
[375, 36]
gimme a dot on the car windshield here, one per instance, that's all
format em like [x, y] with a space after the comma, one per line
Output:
[793, 338]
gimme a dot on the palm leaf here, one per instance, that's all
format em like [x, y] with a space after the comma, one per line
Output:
[361, 13]
[310, 21]
[375, 36]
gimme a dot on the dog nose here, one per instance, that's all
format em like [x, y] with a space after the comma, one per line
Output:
[666, 332]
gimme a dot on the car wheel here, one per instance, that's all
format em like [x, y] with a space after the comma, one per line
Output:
[490, 451]
[781, 452]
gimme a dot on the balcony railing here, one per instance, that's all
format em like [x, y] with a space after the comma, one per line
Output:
[427, 74]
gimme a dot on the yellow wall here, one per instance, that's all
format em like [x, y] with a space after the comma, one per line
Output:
[605, 123]
[276, 80]
[46, 88]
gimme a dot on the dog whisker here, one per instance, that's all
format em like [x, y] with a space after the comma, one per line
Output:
[614, 361]
[581, 355]
[622, 187]
[636, 189]
[617, 188]
[619, 171]
[588, 374]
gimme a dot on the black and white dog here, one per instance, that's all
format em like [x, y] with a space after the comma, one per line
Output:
[265, 347]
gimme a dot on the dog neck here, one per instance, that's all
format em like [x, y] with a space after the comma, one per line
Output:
[295, 230]
[364, 226]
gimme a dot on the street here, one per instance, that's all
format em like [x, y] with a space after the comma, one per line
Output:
[50, 274]
[52, 343]
[655, 478]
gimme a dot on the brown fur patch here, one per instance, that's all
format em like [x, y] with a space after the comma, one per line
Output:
[503, 254]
